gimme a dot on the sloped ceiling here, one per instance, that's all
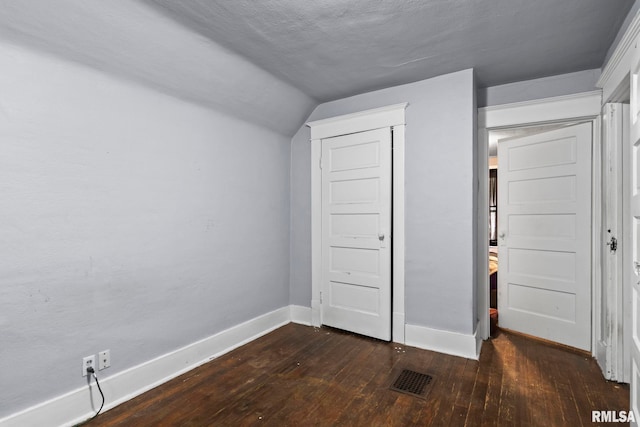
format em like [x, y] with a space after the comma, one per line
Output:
[133, 41]
[331, 49]
[271, 61]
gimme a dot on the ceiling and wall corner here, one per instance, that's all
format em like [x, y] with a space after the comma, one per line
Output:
[218, 52]
[135, 42]
[334, 49]
[622, 29]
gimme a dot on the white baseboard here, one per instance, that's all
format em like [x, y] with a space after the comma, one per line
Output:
[441, 341]
[479, 340]
[75, 406]
[301, 315]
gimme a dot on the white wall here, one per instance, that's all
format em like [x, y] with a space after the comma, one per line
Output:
[440, 213]
[130, 221]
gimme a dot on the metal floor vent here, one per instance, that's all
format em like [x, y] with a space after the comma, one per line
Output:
[411, 382]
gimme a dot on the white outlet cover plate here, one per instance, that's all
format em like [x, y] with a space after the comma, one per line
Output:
[104, 359]
[87, 362]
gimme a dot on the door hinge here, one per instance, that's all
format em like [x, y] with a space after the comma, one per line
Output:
[320, 162]
[320, 297]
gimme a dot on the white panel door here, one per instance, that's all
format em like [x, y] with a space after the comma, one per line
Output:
[356, 238]
[544, 235]
[632, 210]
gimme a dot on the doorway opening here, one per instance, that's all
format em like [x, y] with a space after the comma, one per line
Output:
[495, 136]
[524, 117]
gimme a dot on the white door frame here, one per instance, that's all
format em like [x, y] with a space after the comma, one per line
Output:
[610, 347]
[583, 106]
[616, 87]
[392, 116]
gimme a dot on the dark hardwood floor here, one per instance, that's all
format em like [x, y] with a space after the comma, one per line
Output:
[301, 376]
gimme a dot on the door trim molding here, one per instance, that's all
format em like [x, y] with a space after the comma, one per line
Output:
[613, 351]
[392, 116]
[383, 117]
[618, 66]
[581, 106]
[538, 111]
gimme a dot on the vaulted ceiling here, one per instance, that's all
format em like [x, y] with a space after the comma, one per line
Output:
[335, 48]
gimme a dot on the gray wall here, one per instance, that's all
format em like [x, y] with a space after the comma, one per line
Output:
[131, 221]
[546, 87]
[440, 212]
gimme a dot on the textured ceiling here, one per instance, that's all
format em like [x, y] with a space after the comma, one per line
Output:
[271, 61]
[335, 48]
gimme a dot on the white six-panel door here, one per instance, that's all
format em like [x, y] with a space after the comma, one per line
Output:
[544, 235]
[356, 238]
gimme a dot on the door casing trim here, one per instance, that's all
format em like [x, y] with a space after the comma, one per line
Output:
[393, 117]
[582, 106]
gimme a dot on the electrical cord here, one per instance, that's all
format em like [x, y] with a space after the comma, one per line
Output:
[92, 372]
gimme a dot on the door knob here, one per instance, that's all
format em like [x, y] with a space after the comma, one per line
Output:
[381, 236]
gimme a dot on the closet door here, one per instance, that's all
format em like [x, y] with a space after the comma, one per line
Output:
[356, 233]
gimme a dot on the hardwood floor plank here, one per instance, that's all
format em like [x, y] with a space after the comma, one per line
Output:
[313, 363]
[344, 387]
[509, 386]
[299, 375]
[494, 385]
[374, 396]
[464, 396]
[533, 381]
[479, 394]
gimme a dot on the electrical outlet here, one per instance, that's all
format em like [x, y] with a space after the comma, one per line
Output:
[104, 359]
[88, 362]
